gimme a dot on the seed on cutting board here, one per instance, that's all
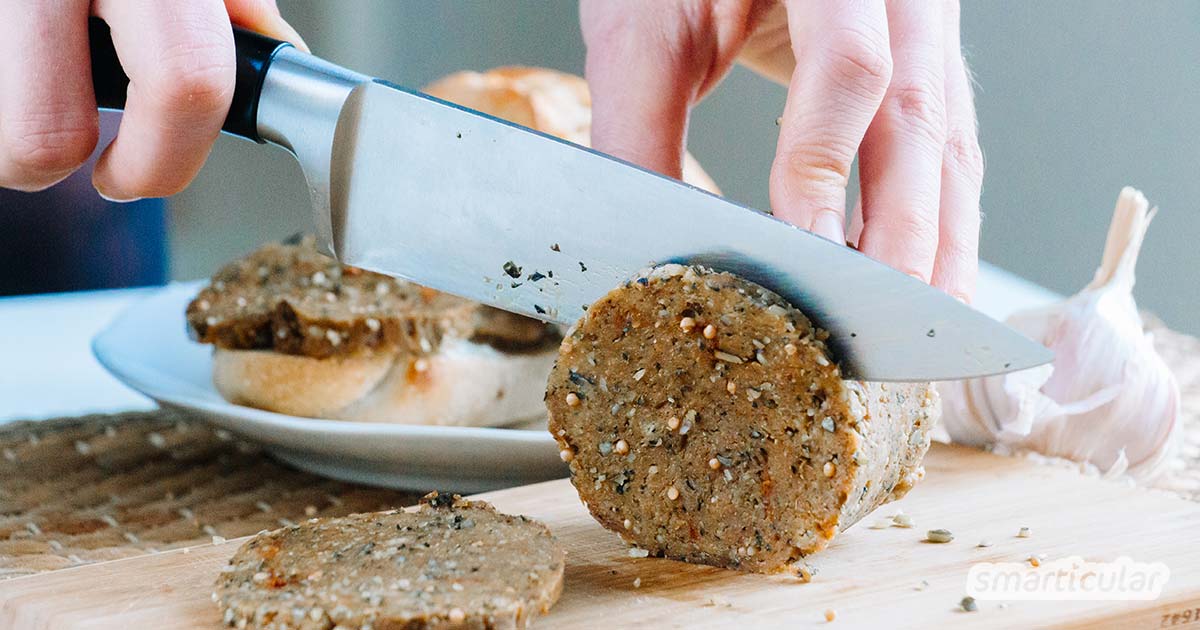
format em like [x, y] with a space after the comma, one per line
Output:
[830, 614]
[939, 536]
[1023, 532]
[903, 520]
[968, 604]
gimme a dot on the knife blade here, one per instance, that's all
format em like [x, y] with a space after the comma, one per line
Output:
[411, 186]
[472, 205]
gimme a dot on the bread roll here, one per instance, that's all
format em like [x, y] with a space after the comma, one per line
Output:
[463, 384]
[550, 101]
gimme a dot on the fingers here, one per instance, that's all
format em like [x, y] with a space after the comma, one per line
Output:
[642, 84]
[262, 16]
[180, 61]
[957, 263]
[48, 120]
[843, 67]
[901, 156]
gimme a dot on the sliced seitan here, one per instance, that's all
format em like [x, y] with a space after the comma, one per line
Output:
[703, 420]
[451, 563]
[291, 299]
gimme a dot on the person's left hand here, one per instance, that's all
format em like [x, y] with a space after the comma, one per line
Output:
[881, 79]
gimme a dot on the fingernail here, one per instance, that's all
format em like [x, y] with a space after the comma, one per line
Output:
[279, 28]
[114, 198]
[828, 225]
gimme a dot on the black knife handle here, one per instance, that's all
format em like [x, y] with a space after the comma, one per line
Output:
[254, 55]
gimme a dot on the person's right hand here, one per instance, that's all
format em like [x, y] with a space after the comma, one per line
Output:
[179, 56]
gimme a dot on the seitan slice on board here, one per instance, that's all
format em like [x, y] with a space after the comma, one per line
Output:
[451, 563]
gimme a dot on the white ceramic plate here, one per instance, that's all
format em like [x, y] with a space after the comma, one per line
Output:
[148, 349]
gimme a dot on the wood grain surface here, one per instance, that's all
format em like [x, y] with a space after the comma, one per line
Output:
[869, 577]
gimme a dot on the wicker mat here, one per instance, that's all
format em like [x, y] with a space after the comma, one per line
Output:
[80, 490]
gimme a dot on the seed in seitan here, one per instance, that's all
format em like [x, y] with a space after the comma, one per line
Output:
[572, 399]
[721, 355]
[638, 552]
[637, 376]
[673, 423]
[827, 424]
[637, 582]
[714, 464]
[731, 387]
[566, 455]
[710, 331]
[672, 493]
[687, 324]
[627, 523]
[457, 615]
[621, 447]
[829, 469]
[939, 536]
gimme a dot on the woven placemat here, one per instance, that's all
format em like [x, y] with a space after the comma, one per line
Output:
[81, 490]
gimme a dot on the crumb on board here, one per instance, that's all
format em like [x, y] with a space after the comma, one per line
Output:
[830, 615]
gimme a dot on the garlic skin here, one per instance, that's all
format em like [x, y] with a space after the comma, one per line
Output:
[1108, 399]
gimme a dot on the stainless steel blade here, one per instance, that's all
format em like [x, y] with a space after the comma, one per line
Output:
[474, 206]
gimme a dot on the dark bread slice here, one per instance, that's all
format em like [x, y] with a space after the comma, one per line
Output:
[704, 421]
[291, 299]
[451, 563]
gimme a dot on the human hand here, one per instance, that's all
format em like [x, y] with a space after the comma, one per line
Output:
[883, 79]
[179, 56]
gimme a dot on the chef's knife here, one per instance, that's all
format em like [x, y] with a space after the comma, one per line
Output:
[408, 185]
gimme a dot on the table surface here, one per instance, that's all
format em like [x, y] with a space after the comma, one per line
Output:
[48, 369]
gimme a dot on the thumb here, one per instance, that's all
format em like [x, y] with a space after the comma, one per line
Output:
[262, 16]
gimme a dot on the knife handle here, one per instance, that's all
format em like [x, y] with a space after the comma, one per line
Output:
[254, 56]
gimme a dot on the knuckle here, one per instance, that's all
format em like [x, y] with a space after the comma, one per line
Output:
[920, 106]
[963, 155]
[860, 60]
[811, 168]
[43, 144]
[195, 77]
[918, 229]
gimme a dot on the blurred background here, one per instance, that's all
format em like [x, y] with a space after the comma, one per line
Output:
[1075, 99]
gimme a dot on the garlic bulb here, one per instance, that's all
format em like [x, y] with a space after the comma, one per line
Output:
[1108, 399]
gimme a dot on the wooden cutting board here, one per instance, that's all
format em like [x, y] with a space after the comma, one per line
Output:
[868, 577]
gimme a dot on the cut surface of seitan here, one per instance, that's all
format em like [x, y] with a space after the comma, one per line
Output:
[291, 299]
[451, 563]
[704, 420]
